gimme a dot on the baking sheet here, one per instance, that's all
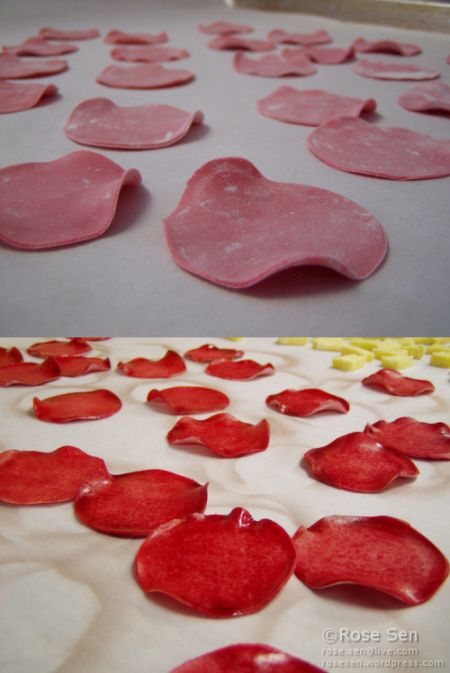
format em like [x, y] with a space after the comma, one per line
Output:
[68, 598]
[126, 282]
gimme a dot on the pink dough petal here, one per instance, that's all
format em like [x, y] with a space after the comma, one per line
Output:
[281, 36]
[144, 76]
[394, 71]
[379, 552]
[224, 28]
[119, 37]
[68, 200]
[37, 46]
[244, 43]
[234, 227]
[311, 107]
[101, 123]
[433, 97]
[15, 97]
[56, 34]
[12, 67]
[323, 55]
[148, 54]
[273, 65]
[353, 145]
[386, 47]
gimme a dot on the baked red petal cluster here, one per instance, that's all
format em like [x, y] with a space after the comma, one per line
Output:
[169, 365]
[37, 478]
[413, 438]
[379, 552]
[395, 383]
[306, 402]
[243, 370]
[220, 565]
[10, 356]
[209, 353]
[358, 462]
[55, 348]
[74, 365]
[188, 400]
[135, 503]
[246, 658]
[29, 373]
[80, 406]
[223, 434]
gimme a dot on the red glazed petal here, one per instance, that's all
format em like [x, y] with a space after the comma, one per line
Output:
[209, 353]
[394, 383]
[48, 349]
[223, 434]
[188, 400]
[307, 402]
[29, 373]
[37, 478]
[244, 370]
[135, 503]
[72, 365]
[357, 462]
[379, 552]
[169, 365]
[222, 566]
[246, 658]
[413, 438]
[10, 357]
[69, 407]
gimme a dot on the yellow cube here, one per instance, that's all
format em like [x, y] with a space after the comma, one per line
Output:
[441, 359]
[349, 362]
[383, 350]
[292, 341]
[438, 348]
[367, 343]
[328, 343]
[424, 340]
[356, 350]
[397, 361]
[416, 350]
[405, 341]
[234, 338]
[441, 340]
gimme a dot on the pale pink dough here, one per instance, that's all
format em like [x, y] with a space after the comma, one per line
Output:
[273, 65]
[101, 123]
[386, 47]
[385, 70]
[311, 107]
[144, 76]
[281, 36]
[427, 98]
[12, 67]
[148, 54]
[224, 28]
[234, 227]
[236, 42]
[56, 34]
[356, 146]
[60, 202]
[37, 46]
[323, 55]
[16, 97]
[119, 37]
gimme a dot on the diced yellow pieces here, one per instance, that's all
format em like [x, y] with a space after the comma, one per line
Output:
[440, 359]
[424, 340]
[328, 343]
[234, 338]
[292, 341]
[397, 361]
[368, 344]
[349, 362]
[441, 340]
[389, 350]
[438, 348]
[416, 350]
[356, 350]
[405, 341]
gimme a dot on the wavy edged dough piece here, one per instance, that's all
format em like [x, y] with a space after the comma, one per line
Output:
[225, 42]
[386, 47]
[353, 145]
[13, 67]
[323, 55]
[120, 37]
[311, 107]
[413, 438]
[224, 28]
[234, 227]
[15, 97]
[56, 34]
[281, 36]
[433, 97]
[394, 71]
[273, 65]
[101, 123]
[68, 200]
[143, 76]
[148, 54]
[37, 46]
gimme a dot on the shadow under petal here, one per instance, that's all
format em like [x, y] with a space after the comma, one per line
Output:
[133, 201]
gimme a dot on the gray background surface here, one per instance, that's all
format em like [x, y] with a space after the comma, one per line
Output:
[126, 282]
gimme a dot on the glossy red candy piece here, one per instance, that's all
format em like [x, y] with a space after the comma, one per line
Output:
[306, 402]
[209, 353]
[83, 406]
[135, 503]
[143, 368]
[357, 462]
[222, 566]
[413, 438]
[10, 356]
[394, 383]
[379, 552]
[188, 400]
[246, 658]
[223, 434]
[37, 478]
[243, 370]
[29, 373]
[54, 348]
[73, 365]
